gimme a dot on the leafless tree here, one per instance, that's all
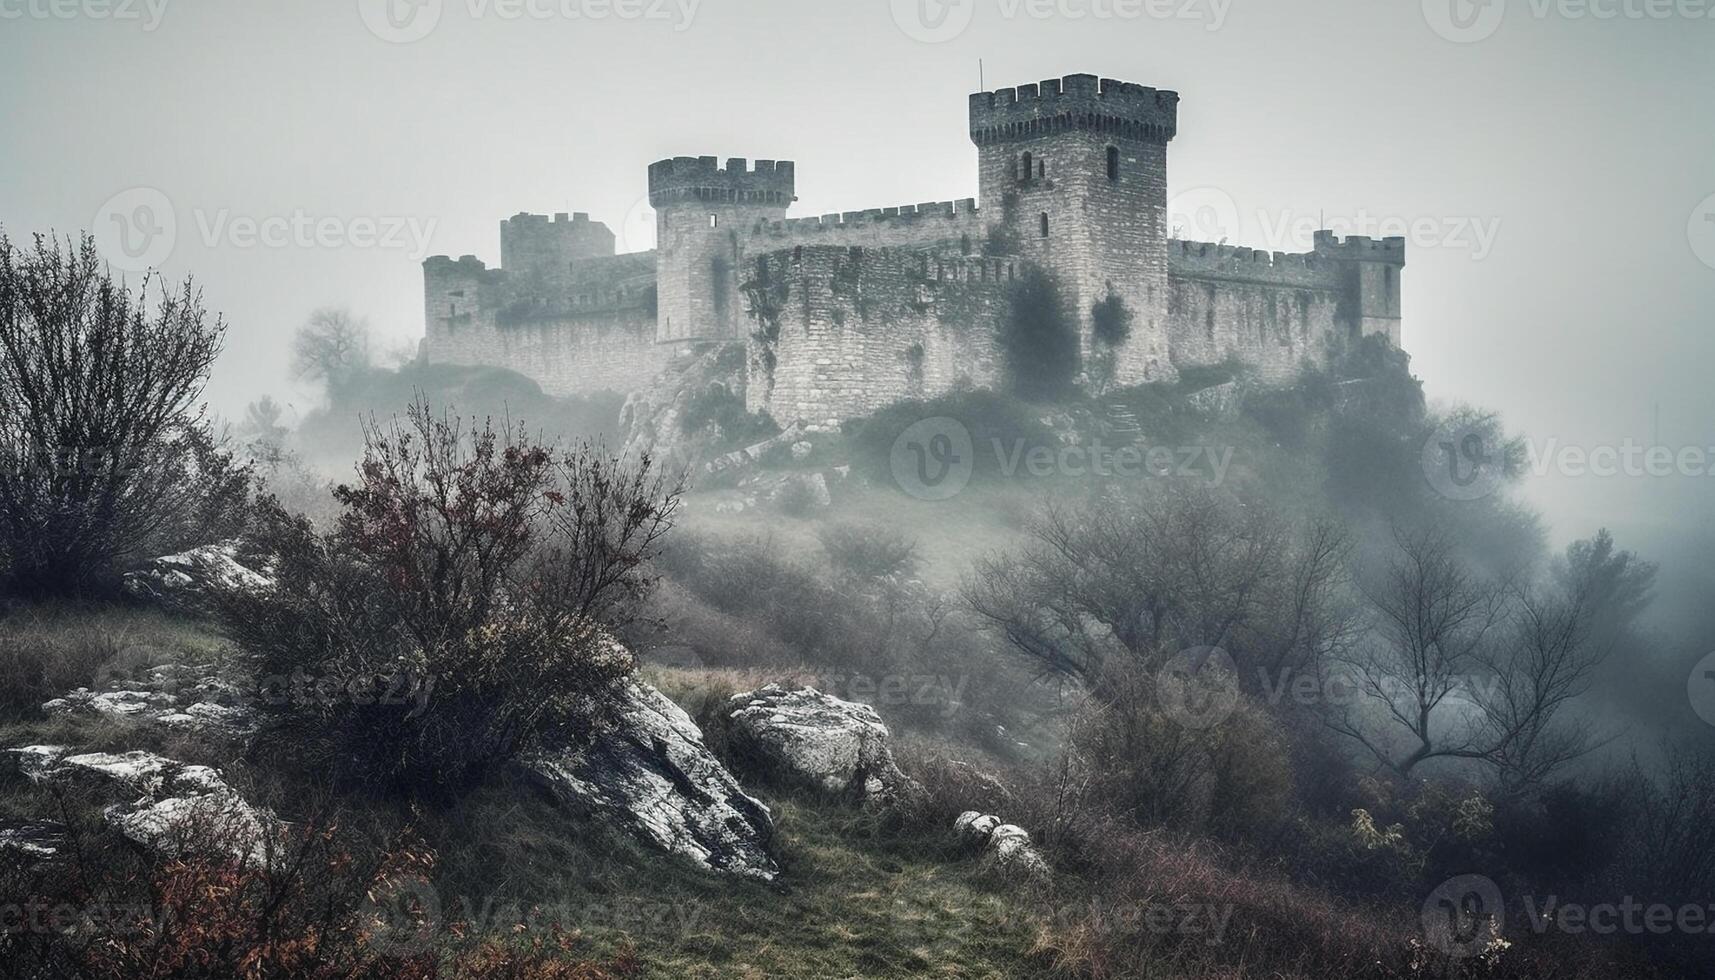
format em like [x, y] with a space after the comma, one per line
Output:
[331, 348]
[1463, 667]
[1547, 662]
[105, 450]
[1129, 576]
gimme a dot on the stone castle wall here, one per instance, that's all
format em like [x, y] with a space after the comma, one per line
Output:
[846, 331]
[1274, 311]
[597, 336]
[847, 313]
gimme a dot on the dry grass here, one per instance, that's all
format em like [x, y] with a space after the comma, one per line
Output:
[48, 650]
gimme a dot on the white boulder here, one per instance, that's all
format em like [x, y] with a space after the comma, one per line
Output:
[817, 740]
[188, 581]
[165, 806]
[1007, 845]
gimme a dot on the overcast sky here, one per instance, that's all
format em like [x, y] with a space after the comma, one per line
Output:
[1552, 163]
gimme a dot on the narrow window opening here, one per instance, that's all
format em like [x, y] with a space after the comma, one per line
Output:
[1114, 164]
[714, 221]
[1044, 224]
[1027, 165]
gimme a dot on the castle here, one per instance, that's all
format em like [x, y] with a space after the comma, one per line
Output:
[846, 313]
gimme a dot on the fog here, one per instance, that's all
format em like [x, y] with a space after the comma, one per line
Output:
[1576, 141]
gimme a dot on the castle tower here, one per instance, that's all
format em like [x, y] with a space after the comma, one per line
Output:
[543, 251]
[1372, 270]
[1076, 168]
[703, 216]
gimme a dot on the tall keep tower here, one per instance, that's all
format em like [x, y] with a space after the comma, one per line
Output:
[1076, 168]
[703, 215]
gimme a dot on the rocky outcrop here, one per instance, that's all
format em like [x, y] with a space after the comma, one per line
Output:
[1007, 845]
[1222, 401]
[174, 696]
[31, 841]
[804, 736]
[164, 806]
[188, 581]
[652, 775]
[738, 461]
[654, 418]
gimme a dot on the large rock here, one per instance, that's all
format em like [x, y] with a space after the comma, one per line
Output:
[817, 740]
[653, 775]
[188, 581]
[165, 806]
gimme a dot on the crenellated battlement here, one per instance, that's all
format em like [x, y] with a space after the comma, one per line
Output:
[703, 180]
[526, 219]
[465, 265]
[940, 217]
[1361, 248]
[1206, 260]
[847, 313]
[1084, 102]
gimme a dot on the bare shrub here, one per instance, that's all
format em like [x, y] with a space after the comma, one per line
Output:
[453, 618]
[106, 457]
[868, 552]
[319, 907]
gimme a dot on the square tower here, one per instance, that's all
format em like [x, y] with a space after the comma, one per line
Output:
[1076, 170]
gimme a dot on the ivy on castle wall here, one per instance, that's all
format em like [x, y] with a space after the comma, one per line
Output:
[1038, 338]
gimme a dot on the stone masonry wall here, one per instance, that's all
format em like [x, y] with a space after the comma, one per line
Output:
[590, 341]
[847, 331]
[1274, 311]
